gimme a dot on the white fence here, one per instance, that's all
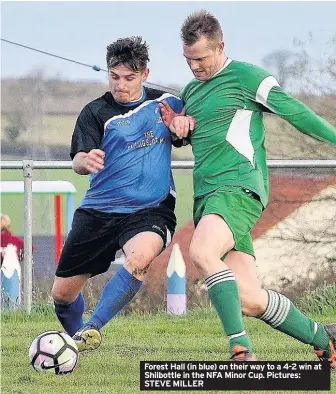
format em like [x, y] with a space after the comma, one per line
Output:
[29, 165]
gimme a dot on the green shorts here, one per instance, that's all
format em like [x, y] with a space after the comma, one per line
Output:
[240, 209]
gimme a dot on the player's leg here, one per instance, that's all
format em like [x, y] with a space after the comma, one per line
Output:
[283, 315]
[86, 252]
[66, 291]
[69, 301]
[224, 217]
[139, 251]
[277, 310]
[144, 235]
[253, 298]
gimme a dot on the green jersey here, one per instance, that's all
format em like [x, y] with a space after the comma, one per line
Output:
[229, 140]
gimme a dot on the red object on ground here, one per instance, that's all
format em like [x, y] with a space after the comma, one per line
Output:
[58, 227]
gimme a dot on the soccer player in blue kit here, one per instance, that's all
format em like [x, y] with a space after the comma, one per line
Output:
[121, 141]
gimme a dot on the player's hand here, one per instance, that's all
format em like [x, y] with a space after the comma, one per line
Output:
[180, 124]
[95, 160]
[167, 113]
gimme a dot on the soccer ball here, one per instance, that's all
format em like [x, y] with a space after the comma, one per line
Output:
[53, 351]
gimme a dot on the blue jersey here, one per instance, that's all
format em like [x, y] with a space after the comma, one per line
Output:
[137, 145]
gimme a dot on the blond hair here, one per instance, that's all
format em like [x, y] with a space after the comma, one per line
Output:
[5, 222]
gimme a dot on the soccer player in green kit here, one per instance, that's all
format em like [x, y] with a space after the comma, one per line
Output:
[227, 100]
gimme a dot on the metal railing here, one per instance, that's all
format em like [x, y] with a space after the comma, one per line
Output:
[29, 165]
[178, 164]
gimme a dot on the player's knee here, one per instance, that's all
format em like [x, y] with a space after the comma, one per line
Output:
[252, 305]
[62, 296]
[139, 264]
[199, 257]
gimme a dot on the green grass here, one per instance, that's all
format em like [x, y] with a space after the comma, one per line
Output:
[114, 367]
[43, 206]
[320, 301]
[57, 130]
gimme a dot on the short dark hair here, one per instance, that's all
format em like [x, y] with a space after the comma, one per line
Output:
[131, 52]
[200, 24]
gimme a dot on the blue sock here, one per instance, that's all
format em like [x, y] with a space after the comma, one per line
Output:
[71, 315]
[117, 293]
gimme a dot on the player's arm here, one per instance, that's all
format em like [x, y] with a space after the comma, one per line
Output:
[87, 157]
[274, 98]
[86, 163]
[178, 123]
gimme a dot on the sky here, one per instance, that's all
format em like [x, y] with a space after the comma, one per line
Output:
[81, 30]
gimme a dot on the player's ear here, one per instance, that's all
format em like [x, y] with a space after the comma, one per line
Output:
[220, 47]
[145, 75]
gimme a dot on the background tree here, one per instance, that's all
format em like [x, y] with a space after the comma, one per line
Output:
[312, 80]
[281, 64]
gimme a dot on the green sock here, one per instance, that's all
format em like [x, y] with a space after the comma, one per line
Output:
[282, 315]
[223, 293]
[321, 338]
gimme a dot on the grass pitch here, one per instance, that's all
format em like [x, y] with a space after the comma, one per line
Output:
[114, 367]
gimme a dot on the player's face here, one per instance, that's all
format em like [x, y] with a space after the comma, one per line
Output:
[204, 58]
[125, 84]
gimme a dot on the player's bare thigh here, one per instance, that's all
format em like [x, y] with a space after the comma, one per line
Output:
[140, 251]
[211, 240]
